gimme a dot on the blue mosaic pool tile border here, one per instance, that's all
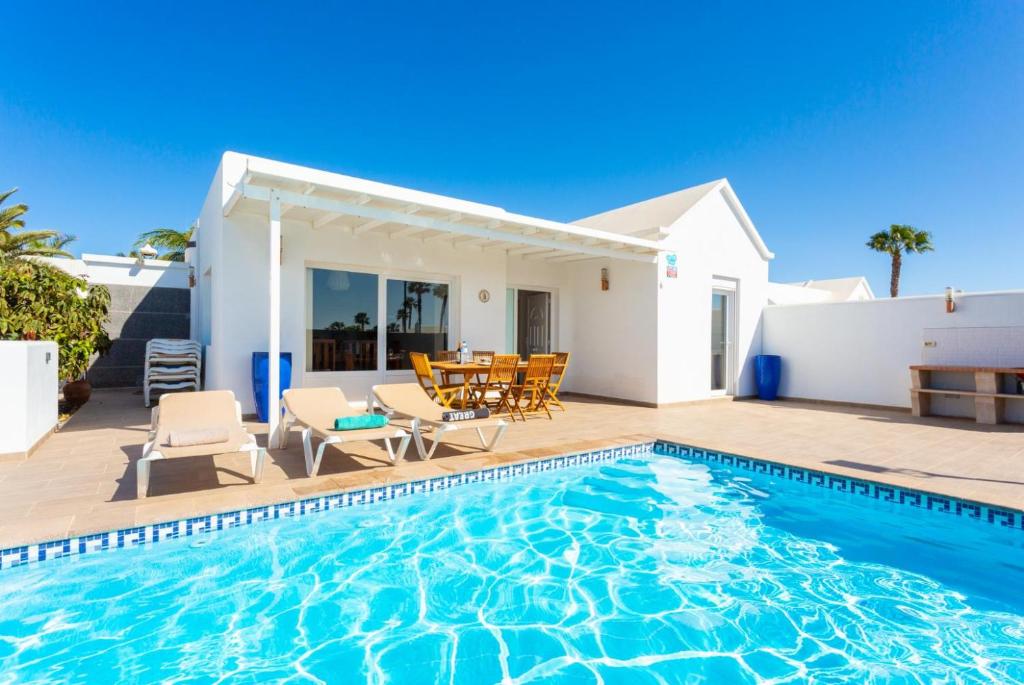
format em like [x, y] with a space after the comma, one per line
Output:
[197, 525]
[1007, 518]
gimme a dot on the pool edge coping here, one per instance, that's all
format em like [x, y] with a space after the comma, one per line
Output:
[152, 533]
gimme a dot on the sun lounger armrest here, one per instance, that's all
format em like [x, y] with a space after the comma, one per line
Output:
[238, 411]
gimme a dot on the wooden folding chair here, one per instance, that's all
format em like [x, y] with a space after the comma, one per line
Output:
[495, 391]
[535, 385]
[425, 377]
[481, 357]
[558, 369]
[447, 356]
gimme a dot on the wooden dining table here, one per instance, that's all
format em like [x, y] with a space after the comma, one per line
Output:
[467, 370]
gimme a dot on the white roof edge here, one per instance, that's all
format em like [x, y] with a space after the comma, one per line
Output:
[114, 259]
[352, 184]
[745, 221]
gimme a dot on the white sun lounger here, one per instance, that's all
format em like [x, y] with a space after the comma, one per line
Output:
[213, 412]
[409, 400]
[316, 409]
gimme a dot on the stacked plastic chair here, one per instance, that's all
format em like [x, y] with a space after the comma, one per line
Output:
[171, 365]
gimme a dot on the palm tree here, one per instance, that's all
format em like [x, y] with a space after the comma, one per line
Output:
[404, 314]
[57, 243]
[10, 217]
[419, 289]
[171, 241]
[441, 290]
[900, 239]
[27, 243]
[336, 326]
[362, 320]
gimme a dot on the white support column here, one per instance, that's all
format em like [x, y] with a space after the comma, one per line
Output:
[274, 321]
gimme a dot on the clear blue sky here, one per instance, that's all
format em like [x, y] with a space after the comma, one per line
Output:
[832, 120]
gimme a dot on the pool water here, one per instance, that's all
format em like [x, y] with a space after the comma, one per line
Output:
[650, 569]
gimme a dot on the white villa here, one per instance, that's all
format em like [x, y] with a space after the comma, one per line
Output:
[658, 302]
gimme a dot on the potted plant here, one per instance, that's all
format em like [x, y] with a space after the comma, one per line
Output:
[41, 302]
[74, 362]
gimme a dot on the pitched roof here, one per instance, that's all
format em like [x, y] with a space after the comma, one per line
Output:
[650, 216]
[658, 212]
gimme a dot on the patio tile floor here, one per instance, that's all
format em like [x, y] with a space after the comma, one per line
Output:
[82, 479]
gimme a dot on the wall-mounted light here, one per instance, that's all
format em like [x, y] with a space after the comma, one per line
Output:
[191, 277]
[604, 278]
[950, 302]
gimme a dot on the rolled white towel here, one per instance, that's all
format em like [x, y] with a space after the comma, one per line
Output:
[198, 436]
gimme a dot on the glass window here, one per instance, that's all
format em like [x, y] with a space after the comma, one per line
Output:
[342, 332]
[417, 314]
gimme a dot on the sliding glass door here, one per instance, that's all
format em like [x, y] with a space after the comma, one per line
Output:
[342, 332]
[417, 316]
[358, 321]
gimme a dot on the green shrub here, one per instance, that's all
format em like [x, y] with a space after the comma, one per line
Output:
[41, 302]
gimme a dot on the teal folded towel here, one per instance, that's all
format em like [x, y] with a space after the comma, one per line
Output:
[354, 423]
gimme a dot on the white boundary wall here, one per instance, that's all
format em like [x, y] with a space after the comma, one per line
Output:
[28, 403]
[859, 351]
[111, 270]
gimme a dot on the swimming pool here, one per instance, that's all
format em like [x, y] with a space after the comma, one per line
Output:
[645, 569]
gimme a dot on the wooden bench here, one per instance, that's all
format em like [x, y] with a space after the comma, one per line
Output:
[988, 400]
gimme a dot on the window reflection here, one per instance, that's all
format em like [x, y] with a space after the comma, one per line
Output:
[417, 320]
[343, 331]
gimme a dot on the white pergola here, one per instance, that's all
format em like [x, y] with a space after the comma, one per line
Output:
[354, 206]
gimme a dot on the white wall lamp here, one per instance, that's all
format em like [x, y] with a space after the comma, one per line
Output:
[950, 302]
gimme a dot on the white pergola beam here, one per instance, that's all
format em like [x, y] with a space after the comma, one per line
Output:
[377, 223]
[527, 250]
[650, 233]
[500, 246]
[569, 258]
[472, 242]
[368, 226]
[327, 219]
[547, 254]
[409, 231]
[371, 213]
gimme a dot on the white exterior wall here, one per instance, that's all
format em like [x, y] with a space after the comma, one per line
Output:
[711, 246]
[860, 351]
[614, 331]
[207, 295]
[28, 404]
[111, 270]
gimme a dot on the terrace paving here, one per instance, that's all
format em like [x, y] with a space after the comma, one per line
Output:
[82, 478]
